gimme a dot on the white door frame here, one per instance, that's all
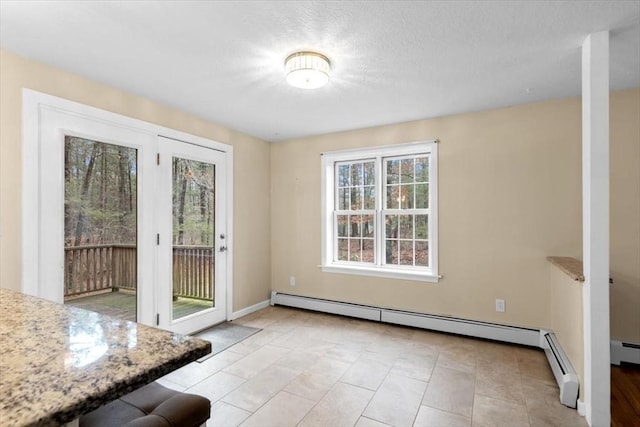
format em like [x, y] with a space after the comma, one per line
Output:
[33, 105]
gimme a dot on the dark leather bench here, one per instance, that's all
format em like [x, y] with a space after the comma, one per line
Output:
[151, 406]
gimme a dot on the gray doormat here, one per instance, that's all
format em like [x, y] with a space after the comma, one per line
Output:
[223, 336]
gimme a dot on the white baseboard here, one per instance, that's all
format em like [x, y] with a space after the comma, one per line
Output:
[326, 306]
[624, 352]
[512, 334]
[582, 408]
[525, 336]
[248, 310]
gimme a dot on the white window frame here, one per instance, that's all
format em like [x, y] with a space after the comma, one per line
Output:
[329, 227]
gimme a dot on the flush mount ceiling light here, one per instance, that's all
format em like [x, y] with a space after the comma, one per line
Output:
[307, 70]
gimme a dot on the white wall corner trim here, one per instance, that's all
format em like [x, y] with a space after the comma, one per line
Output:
[595, 227]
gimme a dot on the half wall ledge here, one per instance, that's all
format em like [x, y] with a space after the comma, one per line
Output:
[571, 266]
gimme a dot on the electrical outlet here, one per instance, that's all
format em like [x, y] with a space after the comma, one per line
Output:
[292, 280]
[500, 305]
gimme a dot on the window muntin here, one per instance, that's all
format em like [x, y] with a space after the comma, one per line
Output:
[379, 211]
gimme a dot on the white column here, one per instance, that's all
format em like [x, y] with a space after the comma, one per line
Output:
[595, 227]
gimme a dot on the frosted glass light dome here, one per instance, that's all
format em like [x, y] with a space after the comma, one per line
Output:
[307, 70]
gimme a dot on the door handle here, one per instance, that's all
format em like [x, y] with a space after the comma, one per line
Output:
[222, 249]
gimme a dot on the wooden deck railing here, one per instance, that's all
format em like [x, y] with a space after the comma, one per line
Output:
[193, 272]
[92, 268]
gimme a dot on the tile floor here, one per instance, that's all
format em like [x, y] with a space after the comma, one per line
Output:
[314, 369]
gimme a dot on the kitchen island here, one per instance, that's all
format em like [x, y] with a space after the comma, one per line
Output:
[59, 362]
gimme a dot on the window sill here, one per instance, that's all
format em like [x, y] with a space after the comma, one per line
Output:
[381, 272]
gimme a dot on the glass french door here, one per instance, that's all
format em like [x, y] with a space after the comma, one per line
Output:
[100, 231]
[125, 222]
[100, 226]
[192, 239]
[95, 204]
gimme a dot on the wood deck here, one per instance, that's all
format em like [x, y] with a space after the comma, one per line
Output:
[123, 305]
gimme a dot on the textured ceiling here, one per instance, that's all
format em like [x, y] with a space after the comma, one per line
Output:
[391, 61]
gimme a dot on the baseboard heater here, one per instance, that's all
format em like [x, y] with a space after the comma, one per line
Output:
[624, 352]
[563, 371]
[560, 365]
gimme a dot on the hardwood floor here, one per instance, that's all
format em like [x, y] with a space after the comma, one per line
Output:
[625, 395]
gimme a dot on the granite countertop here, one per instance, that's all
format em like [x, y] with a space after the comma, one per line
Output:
[571, 266]
[58, 362]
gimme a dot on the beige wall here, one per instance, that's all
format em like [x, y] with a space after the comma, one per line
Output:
[251, 168]
[510, 195]
[625, 216]
[566, 317]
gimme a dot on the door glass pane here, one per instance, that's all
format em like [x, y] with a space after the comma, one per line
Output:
[193, 189]
[100, 227]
